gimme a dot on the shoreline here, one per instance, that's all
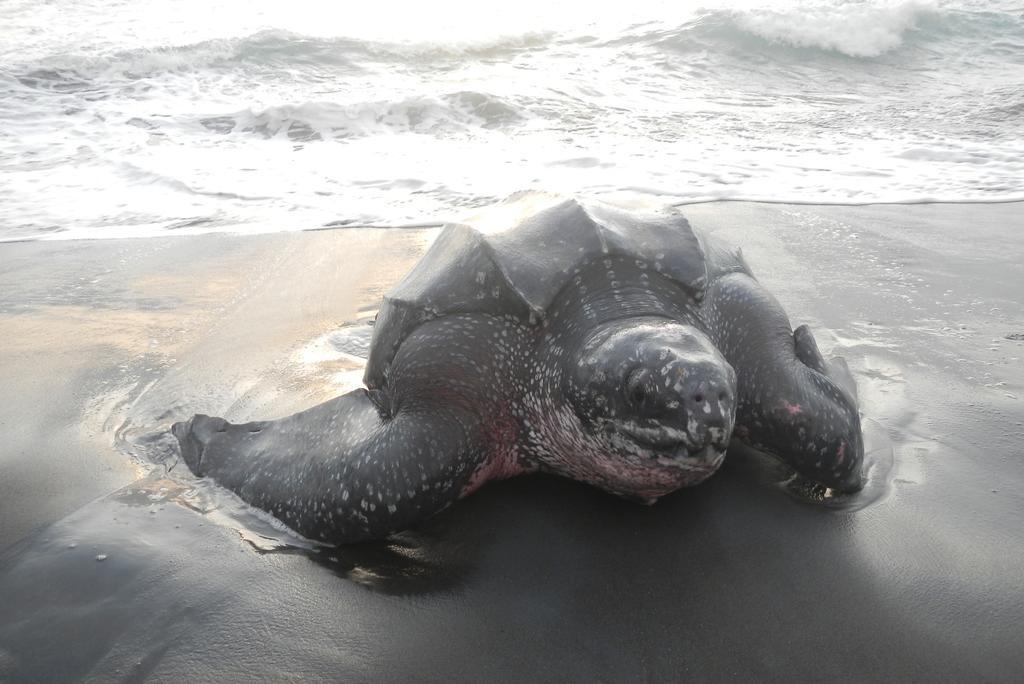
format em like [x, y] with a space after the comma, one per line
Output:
[648, 201]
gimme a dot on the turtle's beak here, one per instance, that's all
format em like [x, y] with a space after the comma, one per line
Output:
[706, 396]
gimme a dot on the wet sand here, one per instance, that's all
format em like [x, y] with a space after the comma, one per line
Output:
[106, 342]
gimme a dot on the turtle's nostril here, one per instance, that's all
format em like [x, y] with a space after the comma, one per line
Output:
[698, 397]
[722, 396]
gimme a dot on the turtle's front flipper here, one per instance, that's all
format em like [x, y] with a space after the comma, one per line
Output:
[806, 348]
[835, 368]
[792, 403]
[369, 463]
[337, 472]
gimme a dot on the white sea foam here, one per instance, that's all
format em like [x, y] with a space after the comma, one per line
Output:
[256, 116]
[857, 29]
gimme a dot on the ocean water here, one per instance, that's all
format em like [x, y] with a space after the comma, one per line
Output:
[124, 118]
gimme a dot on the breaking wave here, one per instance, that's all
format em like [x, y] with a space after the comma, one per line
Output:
[861, 30]
[856, 30]
[308, 122]
[273, 49]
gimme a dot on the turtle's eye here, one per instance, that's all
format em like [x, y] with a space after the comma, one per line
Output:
[636, 390]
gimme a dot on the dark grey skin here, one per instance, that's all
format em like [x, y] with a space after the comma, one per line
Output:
[624, 351]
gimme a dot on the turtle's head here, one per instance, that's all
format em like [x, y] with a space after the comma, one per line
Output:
[659, 400]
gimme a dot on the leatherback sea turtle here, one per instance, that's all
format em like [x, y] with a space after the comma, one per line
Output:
[618, 349]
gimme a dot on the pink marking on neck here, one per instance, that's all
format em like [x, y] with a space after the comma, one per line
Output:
[500, 466]
[503, 460]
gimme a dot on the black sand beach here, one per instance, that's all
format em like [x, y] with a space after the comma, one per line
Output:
[106, 576]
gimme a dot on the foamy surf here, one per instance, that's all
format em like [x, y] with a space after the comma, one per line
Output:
[855, 29]
[261, 118]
